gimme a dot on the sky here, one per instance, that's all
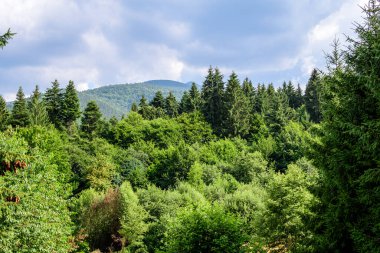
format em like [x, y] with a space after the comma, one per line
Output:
[102, 42]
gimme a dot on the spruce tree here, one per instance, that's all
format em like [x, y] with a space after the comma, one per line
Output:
[349, 153]
[158, 100]
[143, 108]
[134, 107]
[237, 108]
[71, 111]
[20, 114]
[4, 114]
[90, 119]
[53, 100]
[195, 98]
[185, 104]
[171, 105]
[312, 97]
[212, 96]
[37, 110]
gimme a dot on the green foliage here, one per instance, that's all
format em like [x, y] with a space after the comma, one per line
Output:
[237, 121]
[91, 119]
[53, 100]
[349, 150]
[4, 114]
[132, 219]
[212, 97]
[33, 200]
[171, 105]
[5, 37]
[20, 115]
[205, 229]
[37, 110]
[289, 208]
[312, 97]
[70, 105]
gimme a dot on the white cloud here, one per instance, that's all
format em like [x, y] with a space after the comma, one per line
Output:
[320, 37]
[9, 97]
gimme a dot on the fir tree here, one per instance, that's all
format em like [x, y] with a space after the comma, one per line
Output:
[158, 100]
[134, 107]
[4, 114]
[185, 104]
[212, 96]
[195, 98]
[312, 97]
[349, 150]
[171, 105]
[71, 111]
[91, 118]
[37, 110]
[237, 106]
[20, 115]
[53, 100]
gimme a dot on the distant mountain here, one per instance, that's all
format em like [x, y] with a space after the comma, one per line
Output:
[116, 100]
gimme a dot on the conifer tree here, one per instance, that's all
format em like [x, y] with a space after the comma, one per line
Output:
[195, 98]
[185, 104]
[90, 119]
[144, 108]
[171, 105]
[37, 110]
[212, 96]
[53, 100]
[4, 114]
[249, 92]
[134, 107]
[349, 150]
[71, 111]
[312, 97]
[158, 100]
[20, 115]
[237, 106]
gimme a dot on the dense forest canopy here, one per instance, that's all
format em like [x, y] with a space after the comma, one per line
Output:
[229, 167]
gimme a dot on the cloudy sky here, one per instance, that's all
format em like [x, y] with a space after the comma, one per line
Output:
[100, 42]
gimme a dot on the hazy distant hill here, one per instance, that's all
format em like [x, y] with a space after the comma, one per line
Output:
[117, 99]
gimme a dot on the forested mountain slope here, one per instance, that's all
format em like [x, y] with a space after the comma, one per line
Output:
[116, 100]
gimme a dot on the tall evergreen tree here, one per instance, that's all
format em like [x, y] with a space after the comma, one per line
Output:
[144, 108]
[4, 114]
[349, 153]
[53, 100]
[37, 110]
[171, 105]
[90, 119]
[237, 107]
[185, 104]
[71, 111]
[158, 100]
[20, 114]
[312, 97]
[195, 98]
[134, 107]
[212, 96]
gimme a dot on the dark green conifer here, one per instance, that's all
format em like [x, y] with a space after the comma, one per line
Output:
[171, 105]
[237, 108]
[90, 119]
[37, 110]
[71, 111]
[158, 100]
[4, 114]
[20, 114]
[53, 100]
[312, 97]
[212, 97]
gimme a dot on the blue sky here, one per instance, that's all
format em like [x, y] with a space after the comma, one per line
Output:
[100, 42]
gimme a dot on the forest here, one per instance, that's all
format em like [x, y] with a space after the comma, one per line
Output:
[229, 167]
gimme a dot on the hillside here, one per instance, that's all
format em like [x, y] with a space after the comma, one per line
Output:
[116, 100]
